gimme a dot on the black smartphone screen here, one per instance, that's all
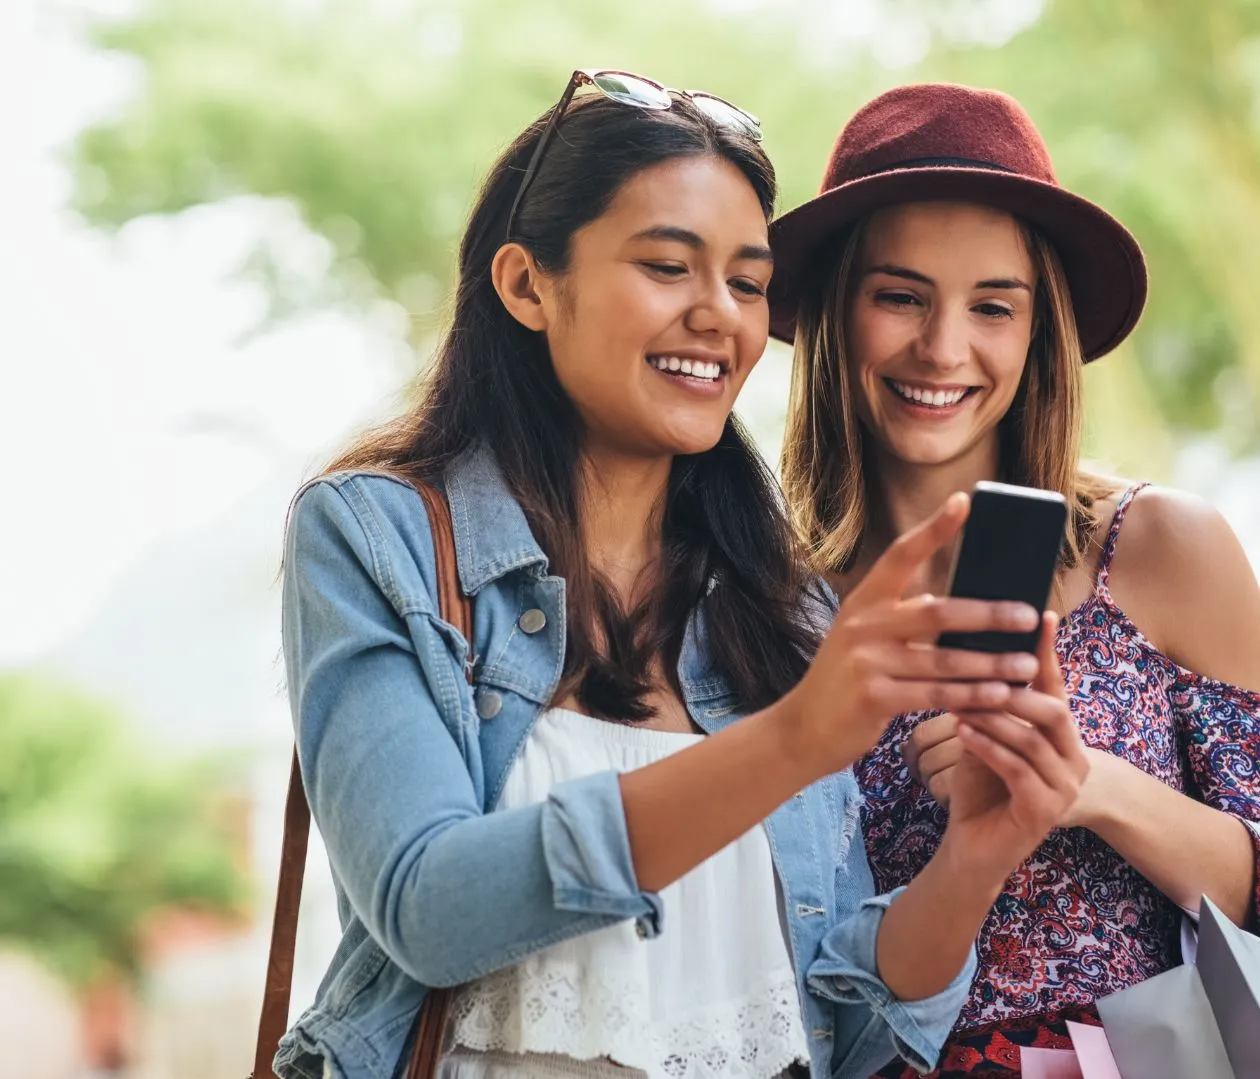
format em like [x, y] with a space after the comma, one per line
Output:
[1009, 551]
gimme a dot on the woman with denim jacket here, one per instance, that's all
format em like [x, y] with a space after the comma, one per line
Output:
[632, 840]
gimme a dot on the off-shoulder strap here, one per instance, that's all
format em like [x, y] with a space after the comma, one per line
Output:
[1101, 585]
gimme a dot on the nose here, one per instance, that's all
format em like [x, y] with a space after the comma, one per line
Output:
[715, 311]
[945, 342]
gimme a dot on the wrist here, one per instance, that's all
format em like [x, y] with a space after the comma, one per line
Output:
[972, 872]
[795, 740]
[1097, 799]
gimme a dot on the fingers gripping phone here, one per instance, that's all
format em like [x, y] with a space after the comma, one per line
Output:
[1009, 551]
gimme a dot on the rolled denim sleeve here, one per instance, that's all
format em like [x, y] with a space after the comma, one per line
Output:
[845, 973]
[448, 892]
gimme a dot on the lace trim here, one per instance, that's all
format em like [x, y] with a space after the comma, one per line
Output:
[576, 1014]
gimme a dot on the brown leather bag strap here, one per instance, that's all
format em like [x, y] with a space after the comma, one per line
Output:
[426, 1049]
[275, 1006]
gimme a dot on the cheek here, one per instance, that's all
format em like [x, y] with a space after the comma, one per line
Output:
[870, 342]
[753, 336]
[1005, 365]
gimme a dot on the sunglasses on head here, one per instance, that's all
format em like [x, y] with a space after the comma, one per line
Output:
[643, 93]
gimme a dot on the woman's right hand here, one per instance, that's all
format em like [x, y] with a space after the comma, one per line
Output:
[880, 658]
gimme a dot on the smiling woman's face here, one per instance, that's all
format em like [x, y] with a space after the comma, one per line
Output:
[661, 313]
[939, 327]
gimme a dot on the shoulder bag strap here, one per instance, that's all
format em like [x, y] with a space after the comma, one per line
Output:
[455, 608]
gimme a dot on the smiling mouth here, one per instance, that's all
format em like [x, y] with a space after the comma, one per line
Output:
[699, 370]
[925, 397]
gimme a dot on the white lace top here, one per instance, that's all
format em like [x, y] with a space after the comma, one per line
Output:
[713, 996]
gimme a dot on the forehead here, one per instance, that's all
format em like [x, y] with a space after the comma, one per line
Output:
[947, 235]
[707, 195]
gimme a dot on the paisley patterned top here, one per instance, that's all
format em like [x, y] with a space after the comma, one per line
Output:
[1075, 922]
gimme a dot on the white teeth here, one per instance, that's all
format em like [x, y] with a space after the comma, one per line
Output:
[701, 369]
[931, 398]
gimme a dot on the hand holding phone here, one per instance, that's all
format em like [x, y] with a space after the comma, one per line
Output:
[1009, 551]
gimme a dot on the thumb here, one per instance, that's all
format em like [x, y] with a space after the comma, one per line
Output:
[1049, 678]
[893, 571]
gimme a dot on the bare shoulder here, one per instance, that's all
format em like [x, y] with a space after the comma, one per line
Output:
[1182, 575]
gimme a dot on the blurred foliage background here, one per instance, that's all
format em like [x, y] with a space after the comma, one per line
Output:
[100, 833]
[377, 120]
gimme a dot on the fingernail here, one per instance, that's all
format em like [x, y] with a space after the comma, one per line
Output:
[994, 693]
[1020, 616]
[1024, 667]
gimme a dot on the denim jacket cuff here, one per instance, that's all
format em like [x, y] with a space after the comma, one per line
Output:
[587, 849]
[845, 972]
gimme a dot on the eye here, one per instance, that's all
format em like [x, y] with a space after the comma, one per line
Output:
[897, 298]
[748, 287]
[994, 310]
[665, 269]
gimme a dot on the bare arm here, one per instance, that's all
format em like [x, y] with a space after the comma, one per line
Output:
[868, 669]
[1182, 846]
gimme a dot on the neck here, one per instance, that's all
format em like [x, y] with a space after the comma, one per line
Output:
[905, 495]
[622, 498]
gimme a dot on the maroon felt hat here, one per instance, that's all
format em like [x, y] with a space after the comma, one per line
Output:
[937, 141]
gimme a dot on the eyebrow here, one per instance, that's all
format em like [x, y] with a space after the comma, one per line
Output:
[696, 242]
[914, 275]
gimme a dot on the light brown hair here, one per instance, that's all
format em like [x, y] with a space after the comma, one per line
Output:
[824, 465]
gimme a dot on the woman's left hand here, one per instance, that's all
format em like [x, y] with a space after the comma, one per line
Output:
[1021, 771]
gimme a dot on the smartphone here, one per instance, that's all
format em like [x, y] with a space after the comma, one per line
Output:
[1009, 551]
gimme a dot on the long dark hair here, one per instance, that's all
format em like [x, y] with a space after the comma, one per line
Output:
[725, 537]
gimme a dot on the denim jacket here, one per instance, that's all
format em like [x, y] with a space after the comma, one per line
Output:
[404, 761]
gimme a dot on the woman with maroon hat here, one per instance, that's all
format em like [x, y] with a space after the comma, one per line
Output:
[944, 292]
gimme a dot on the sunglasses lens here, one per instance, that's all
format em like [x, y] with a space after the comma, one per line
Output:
[727, 115]
[630, 90]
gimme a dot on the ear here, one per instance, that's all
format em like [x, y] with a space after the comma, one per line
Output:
[520, 285]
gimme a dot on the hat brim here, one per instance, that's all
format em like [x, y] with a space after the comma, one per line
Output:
[1103, 262]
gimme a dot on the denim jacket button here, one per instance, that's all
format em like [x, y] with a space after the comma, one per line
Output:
[532, 621]
[489, 704]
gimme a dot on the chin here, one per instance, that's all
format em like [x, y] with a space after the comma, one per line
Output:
[925, 453]
[685, 444]
[693, 446]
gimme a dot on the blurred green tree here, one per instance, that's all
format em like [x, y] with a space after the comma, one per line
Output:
[377, 120]
[98, 833]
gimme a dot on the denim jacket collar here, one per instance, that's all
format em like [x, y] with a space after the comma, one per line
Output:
[492, 537]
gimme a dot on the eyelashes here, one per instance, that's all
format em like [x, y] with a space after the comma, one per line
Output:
[673, 271]
[902, 300]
